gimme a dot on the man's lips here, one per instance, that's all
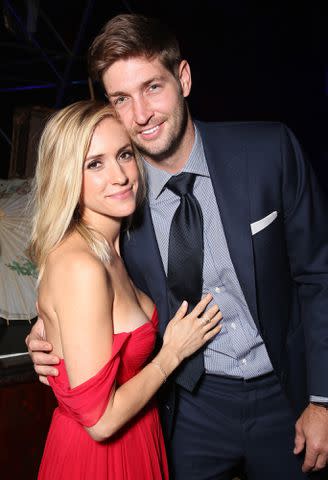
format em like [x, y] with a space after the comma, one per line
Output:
[150, 132]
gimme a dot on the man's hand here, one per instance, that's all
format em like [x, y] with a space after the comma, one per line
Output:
[40, 352]
[312, 434]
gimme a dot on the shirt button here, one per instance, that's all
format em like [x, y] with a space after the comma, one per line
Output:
[244, 361]
[233, 326]
[217, 289]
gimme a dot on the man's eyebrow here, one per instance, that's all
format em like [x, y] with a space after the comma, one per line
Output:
[115, 94]
[121, 93]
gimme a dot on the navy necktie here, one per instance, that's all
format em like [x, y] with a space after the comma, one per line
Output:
[185, 264]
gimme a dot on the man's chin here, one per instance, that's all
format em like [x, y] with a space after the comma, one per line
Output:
[152, 151]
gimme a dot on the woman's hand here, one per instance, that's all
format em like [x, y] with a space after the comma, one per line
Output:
[185, 334]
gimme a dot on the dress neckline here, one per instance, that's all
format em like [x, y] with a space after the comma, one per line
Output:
[153, 322]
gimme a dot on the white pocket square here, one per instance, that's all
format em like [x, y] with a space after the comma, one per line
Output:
[263, 223]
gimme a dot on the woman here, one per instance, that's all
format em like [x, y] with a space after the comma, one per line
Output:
[101, 326]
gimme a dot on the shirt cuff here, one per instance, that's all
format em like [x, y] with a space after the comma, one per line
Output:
[316, 398]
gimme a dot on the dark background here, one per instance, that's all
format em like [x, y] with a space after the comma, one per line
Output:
[250, 60]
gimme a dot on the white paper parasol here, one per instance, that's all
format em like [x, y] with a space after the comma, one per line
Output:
[17, 273]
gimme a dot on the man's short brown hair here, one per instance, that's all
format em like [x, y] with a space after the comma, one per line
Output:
[131, 35]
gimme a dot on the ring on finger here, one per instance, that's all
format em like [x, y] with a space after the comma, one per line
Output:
[205, 320]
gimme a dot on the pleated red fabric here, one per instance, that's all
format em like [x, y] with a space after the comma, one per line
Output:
[136, 452]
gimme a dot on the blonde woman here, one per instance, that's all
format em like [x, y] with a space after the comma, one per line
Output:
[106, 426]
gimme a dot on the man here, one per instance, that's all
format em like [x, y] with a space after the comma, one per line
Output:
[258, 230]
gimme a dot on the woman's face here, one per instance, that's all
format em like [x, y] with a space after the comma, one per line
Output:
[110, 173]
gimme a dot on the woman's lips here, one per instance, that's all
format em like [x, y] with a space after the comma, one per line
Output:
[122, 194]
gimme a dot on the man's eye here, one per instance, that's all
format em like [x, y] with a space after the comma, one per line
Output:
[154, 86]
[119, 100]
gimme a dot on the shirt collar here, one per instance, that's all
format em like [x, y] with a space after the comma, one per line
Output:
[196, 163]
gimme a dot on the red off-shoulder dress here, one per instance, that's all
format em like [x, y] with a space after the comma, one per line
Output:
[136, 452]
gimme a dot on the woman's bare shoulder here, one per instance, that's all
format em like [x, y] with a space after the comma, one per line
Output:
[73, 260]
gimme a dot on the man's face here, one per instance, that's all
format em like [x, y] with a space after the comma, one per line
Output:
[150, 103]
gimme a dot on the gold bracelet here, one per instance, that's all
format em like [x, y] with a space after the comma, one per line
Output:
[163, 372]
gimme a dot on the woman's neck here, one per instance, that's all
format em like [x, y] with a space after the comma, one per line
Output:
[108, 227]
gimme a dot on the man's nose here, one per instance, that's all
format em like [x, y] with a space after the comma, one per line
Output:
[142, 111]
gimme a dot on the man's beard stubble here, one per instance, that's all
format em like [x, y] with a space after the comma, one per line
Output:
[175, 139]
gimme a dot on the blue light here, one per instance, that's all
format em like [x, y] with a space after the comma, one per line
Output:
[39, 87]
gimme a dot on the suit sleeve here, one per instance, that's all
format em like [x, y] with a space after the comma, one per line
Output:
[306, 226]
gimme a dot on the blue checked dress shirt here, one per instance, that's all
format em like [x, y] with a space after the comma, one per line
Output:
[238, 350]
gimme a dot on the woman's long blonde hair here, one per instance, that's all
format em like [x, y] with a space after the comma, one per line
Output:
[62, 150]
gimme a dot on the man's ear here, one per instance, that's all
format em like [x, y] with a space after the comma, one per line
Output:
[185, 77]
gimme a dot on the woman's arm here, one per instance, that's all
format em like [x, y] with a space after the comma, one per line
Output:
[183, 336]
[83, 301]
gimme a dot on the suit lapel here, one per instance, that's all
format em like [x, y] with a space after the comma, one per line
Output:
[230, 177]
[143, 250]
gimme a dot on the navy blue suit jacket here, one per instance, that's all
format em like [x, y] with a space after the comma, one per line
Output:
[258, 168]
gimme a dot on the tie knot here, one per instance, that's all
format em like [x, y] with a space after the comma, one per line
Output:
[181, 184]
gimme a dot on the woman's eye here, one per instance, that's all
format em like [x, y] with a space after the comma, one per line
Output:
[94, 164]
[126, 155]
